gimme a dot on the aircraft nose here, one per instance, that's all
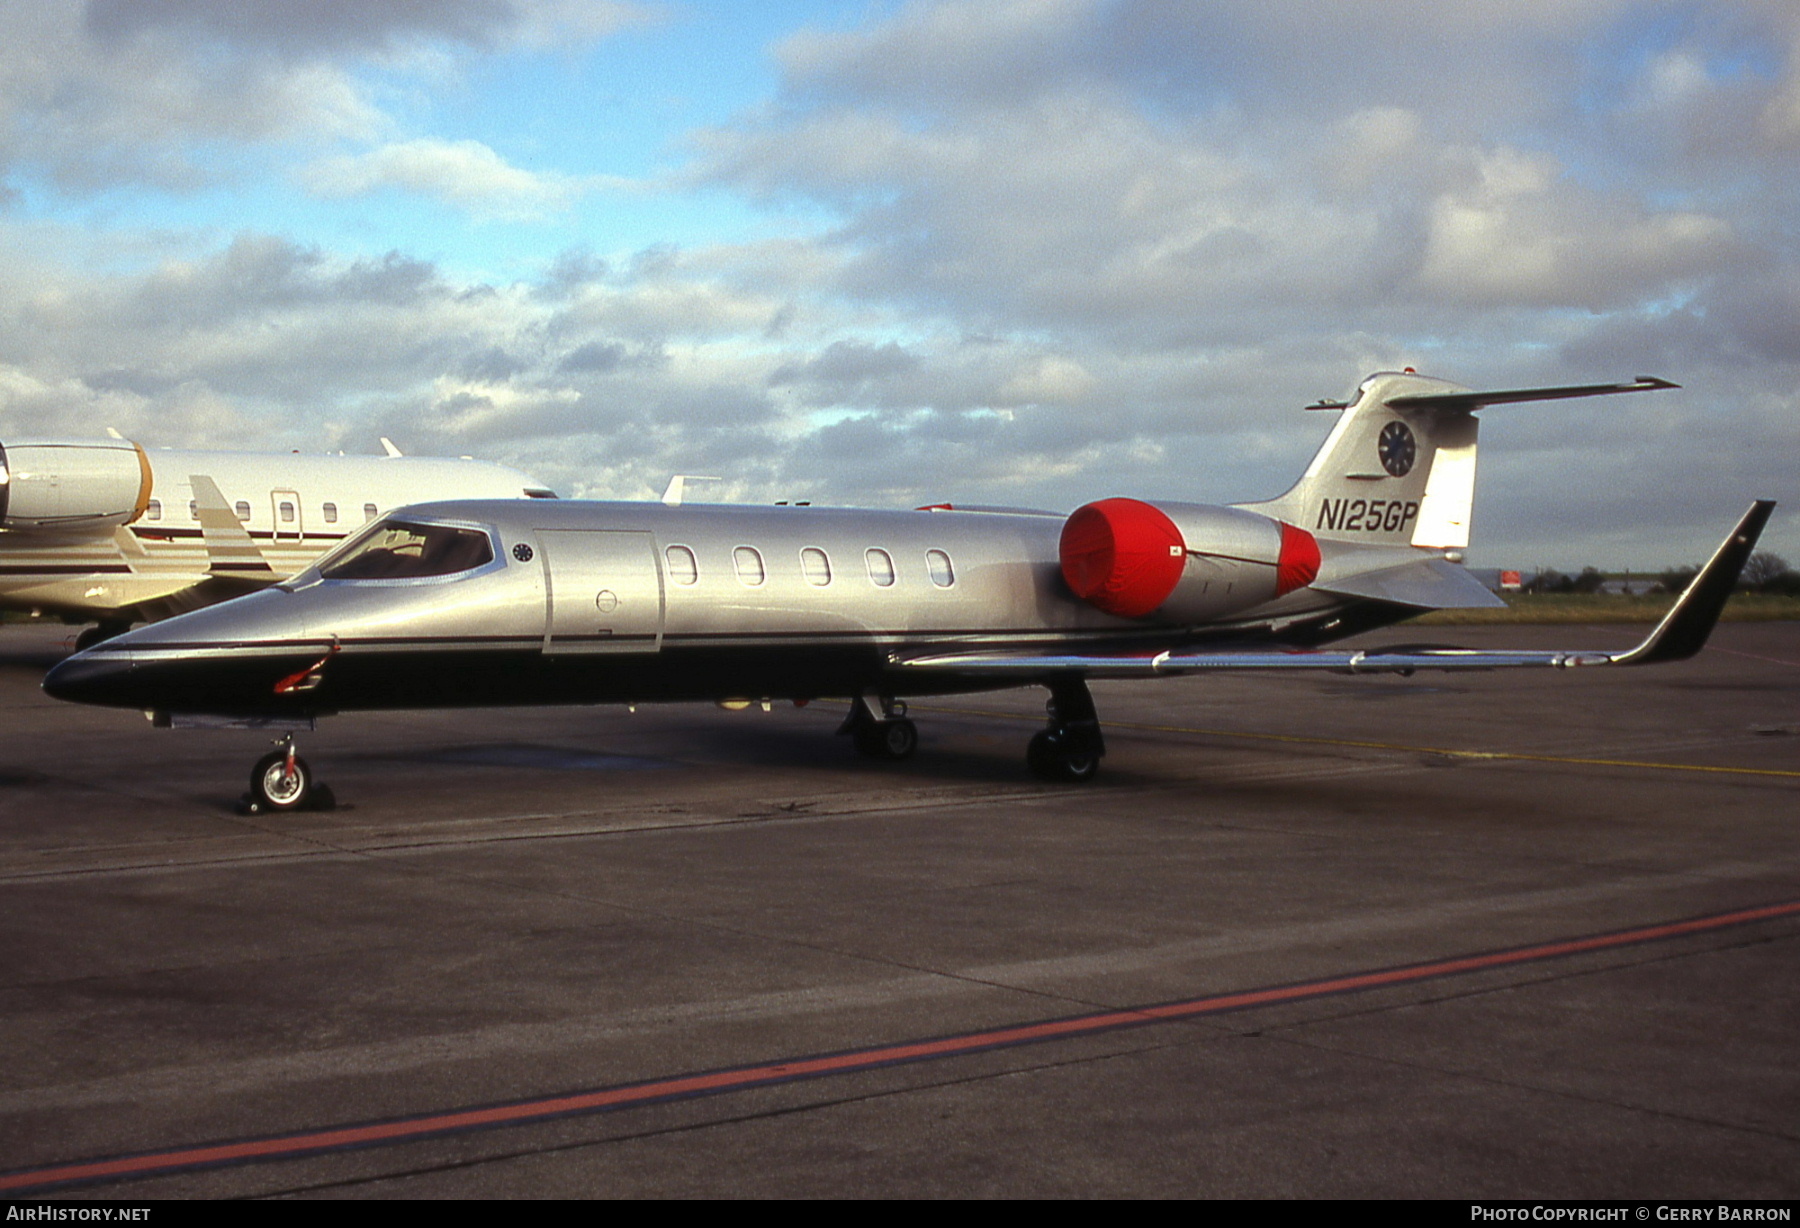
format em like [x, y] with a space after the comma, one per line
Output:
[90, 678]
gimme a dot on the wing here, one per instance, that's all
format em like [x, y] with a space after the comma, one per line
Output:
[1681, 633]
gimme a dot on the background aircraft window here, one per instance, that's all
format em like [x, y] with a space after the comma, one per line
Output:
[331, 513]
[881, 567]
[193, 510]
[154, 509]
[287, 512]
[942, 574]
[749, 565]
[683, 567]
[368, 511]
[398, 551]
[816, 566]
[243, 510]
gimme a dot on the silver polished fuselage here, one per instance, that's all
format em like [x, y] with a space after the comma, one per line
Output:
[626, 602]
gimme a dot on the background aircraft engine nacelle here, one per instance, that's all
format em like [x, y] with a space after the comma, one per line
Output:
[1181, 562]
[72, 487]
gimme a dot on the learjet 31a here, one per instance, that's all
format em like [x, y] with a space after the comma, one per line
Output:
[538, 602]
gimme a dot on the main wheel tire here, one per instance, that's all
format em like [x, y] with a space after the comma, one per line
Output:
[887, 739]
[1054, 756]
[899, 739]
[272, 786]
[98, 633]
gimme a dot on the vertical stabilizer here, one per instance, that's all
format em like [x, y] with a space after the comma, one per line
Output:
[1399, 467]
[1387, 474]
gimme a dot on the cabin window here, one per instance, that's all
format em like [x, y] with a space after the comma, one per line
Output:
[331, 513]
[193, 510]
[400, 551]
[369, 512]
[153, 509]
[243, 511]
[749, 565]
[938, 563]
[815, 565]
[683, 567]
[881, 567]
[287, 512]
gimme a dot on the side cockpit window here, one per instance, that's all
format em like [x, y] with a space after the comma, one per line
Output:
[397, 550]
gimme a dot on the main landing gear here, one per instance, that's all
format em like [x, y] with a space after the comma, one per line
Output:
[880, 729]
[282, 780]
[1068, 750]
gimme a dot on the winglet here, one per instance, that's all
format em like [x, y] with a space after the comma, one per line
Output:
[229, 549]
[1684, 629]
[677, 488]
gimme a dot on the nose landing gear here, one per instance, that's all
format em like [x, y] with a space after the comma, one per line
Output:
[879, 728]
[282, 780]
[1068, 751]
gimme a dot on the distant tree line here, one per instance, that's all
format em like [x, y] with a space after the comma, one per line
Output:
[1764, 573]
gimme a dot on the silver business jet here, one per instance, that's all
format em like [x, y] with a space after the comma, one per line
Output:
[537, 602]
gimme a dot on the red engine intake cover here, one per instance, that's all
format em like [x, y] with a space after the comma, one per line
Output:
[1122, 556]
[1298, 565]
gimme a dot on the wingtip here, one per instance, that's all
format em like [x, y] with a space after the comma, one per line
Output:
[1685, 629]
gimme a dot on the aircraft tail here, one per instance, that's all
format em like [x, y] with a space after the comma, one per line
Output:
[1399, 467]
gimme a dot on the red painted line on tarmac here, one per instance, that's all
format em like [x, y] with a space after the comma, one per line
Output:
[520, 1112]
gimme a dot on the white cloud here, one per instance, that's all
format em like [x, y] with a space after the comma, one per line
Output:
[466, 174]
[142, 91]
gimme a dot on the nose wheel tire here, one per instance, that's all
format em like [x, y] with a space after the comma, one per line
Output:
[1055, 756]
[274, 786]
[896, 739]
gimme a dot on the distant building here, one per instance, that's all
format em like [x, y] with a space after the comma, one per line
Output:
[1511, 582]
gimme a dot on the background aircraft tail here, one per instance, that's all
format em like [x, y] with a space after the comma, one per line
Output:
[1399, 467]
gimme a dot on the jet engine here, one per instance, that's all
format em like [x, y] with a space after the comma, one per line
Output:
[72, 487]
[1182, 562]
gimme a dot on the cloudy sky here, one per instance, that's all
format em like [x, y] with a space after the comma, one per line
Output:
[885, 254]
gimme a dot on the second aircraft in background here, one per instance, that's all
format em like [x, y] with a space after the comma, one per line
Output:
[108, 530]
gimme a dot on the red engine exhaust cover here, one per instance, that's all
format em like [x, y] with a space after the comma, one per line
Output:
[1122, 556]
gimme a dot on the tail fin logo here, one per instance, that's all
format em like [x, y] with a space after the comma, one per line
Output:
[1398, 449]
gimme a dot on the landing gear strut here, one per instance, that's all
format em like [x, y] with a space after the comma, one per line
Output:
[880, 729]
[282, 780]
[1068, 750]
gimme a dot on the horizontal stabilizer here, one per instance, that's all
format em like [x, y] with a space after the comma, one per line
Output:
[1475, 400]
[1429, 584]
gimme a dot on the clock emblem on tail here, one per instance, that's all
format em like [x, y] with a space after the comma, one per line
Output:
[1397, 449]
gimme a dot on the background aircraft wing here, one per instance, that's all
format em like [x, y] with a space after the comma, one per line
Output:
[1681, 633]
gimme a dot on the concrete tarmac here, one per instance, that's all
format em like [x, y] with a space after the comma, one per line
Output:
[510, 907]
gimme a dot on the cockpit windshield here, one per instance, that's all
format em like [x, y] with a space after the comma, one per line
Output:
[399, 550]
